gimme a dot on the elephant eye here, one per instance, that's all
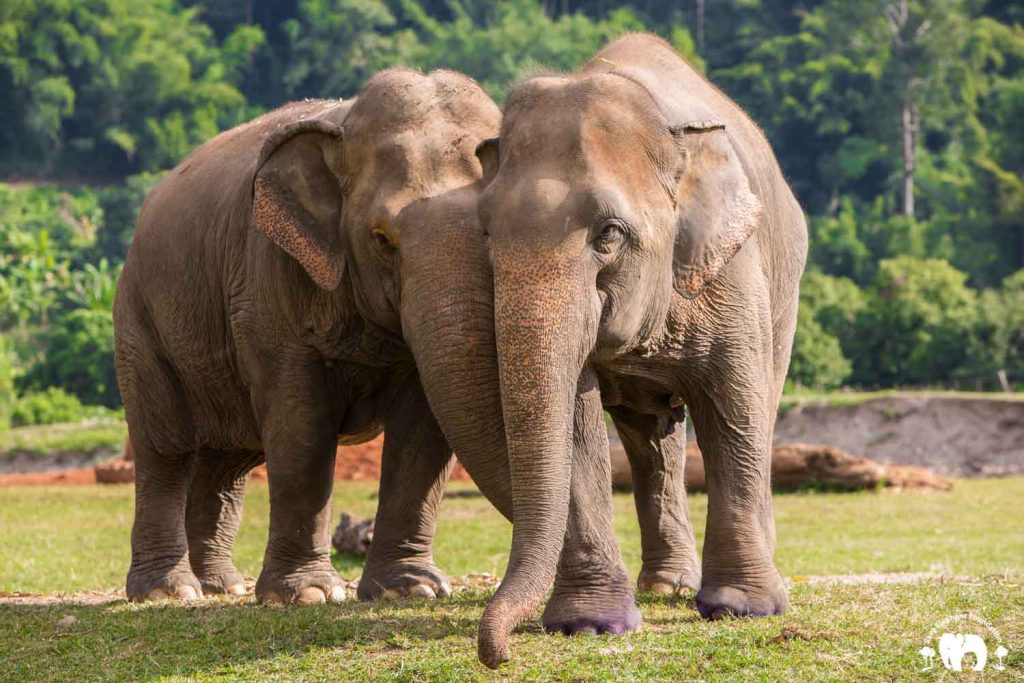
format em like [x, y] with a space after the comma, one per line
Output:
[612, 233]
[382, 240]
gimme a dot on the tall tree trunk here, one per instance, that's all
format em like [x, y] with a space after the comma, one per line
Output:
[908, 119]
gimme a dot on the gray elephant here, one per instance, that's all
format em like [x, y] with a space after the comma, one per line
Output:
[319, 272]
[284, 282]
[953, 647]
[643, 239]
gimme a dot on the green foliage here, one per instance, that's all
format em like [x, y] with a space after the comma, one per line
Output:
[817, 359]
[512, 38]
[118, 91]
[918, 327]
[829, 307]
[111, 85]
[79, 353]
[7, 395]
[50, 406]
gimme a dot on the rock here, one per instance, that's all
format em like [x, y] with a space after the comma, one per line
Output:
[68, 621]
[353, 535]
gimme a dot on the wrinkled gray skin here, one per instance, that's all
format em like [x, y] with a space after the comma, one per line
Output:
[283, 285]
[642, 234]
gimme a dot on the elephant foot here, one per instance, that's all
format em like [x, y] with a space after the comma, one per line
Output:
[667, 582]
[592, 610]
[300, 585]
[406, 579]
[221, 579]
[173, 584]
[715, 601]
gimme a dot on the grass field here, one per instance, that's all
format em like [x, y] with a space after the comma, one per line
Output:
[74, 539]
[76, 436]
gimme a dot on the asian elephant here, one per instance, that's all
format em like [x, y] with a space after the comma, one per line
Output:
[642, 237]
[953, 647]
[315, 273]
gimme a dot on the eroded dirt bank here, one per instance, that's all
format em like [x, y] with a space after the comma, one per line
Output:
[956, 437]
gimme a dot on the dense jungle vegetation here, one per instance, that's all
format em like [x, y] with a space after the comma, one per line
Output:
[899, 123]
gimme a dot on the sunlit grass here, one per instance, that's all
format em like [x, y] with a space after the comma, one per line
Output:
[76, 538]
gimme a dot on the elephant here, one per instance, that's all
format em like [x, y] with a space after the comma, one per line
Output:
[953, 647]
[643, 239]
[317, 274]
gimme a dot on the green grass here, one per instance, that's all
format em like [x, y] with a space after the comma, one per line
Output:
[69, 539]
[82, 437]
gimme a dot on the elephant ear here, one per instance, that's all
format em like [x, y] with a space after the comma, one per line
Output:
[297, 197]
[488, 152]
[715, 210]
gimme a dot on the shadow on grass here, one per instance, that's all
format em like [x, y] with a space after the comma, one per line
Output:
[124, 641]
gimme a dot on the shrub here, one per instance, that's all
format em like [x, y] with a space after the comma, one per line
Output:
[78, 355]
[50, 406]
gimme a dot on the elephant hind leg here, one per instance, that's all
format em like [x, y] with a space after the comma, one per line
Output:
[415, 468]
[160, 565]
[668, 549]
[214, 511]
[161, 433]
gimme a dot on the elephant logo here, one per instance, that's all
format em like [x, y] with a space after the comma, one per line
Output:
[953, 647]
[958, 647]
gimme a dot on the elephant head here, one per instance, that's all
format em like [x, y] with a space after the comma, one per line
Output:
[953, 647]
[381, 198]
[604, 206]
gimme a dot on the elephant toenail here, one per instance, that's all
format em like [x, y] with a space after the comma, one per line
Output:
[311, 595]
[422, 591]
[337, 594]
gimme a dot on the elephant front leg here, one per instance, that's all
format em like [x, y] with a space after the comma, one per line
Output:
[415, 467]
[593, 593]
[733, 418]
[300, 441]
[215, 497]
[657, 463]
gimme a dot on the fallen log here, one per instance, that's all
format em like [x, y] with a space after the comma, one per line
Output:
[796, 466]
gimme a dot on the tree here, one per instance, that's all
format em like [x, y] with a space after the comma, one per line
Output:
[78, 355]
[111, 85]
[918, 327]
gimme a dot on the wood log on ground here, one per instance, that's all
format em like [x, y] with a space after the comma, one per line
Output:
[796, 466]
[115, 472]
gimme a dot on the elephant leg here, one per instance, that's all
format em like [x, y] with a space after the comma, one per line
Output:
[299, 427]
[415, 466]
[657, 463]
[212, 516]
[733, 407]
[592, 593]
[160, 560]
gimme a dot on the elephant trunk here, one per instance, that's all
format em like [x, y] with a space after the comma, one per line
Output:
[537, 320]
[448, 321]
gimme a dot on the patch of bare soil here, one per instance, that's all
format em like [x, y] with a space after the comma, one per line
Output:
[953, 437]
